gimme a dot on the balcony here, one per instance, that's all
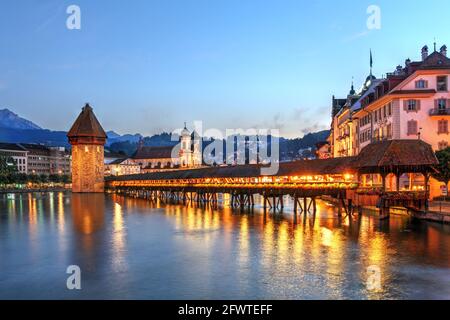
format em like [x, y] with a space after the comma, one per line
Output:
[440, 112]
[343, 136]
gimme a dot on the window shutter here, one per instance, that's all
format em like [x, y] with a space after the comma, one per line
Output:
[426, 83]
[418, 105]
[405, 105]
[436, 104]
[447, 105]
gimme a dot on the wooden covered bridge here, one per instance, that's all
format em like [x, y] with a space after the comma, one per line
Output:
[348, 179]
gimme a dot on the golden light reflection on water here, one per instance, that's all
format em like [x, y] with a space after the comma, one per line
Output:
[61, 212]
[88, 212]
[326, 252]
[119, 239]
[283, 246]
[32, 216]
[243, 243]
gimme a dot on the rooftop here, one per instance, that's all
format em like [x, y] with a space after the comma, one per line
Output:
[385, 156]
[87, 125]
[144, 152]
[11, 146]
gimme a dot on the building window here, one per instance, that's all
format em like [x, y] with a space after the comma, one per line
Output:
[389, 131]
[443, 127]
[442, 83]
[441, 104]
[412, 105]
[390, 109]
[421, 84]
[443, 145]
[412, 128]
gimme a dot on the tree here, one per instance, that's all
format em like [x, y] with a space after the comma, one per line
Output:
[443, 167]
[43, 178]
[65, 179]
[33, 178]
[8, 168]
[56, 178]
[21, 178]
[7, 165]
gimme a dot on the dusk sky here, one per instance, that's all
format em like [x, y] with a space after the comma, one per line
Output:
[148, 66]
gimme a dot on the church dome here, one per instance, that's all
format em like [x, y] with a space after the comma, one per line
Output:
[370, 78]
[185, 132]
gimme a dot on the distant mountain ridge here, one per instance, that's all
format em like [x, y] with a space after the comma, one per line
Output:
[9, 119]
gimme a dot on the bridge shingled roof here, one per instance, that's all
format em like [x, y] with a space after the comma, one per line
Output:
[396, 155]
[302, 167]
[384, 156]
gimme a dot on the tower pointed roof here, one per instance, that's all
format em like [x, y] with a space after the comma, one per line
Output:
[352, 89]
[87, 125]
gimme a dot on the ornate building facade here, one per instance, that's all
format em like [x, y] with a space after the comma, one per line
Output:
[413, 102]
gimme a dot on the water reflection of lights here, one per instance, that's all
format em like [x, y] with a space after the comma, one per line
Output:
[326, 236]
[88, 212]
[119, 238]
[61, 212]
[325, 259]
[243, 243]
[283, 245]
[118, 219]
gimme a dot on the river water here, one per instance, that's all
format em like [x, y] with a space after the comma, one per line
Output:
[132, 249]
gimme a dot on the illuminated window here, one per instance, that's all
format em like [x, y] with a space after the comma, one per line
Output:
[389, 131]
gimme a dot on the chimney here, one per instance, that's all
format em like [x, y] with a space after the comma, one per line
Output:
[444, 50]
[424, 53]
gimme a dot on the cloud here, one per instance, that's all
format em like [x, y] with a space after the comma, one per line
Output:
[314, 128]
[53, 11]
[302, 113]
[357, 36]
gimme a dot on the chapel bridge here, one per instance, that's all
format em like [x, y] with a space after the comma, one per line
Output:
[349, 180]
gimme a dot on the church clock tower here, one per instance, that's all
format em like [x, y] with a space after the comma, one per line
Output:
[87, 138]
